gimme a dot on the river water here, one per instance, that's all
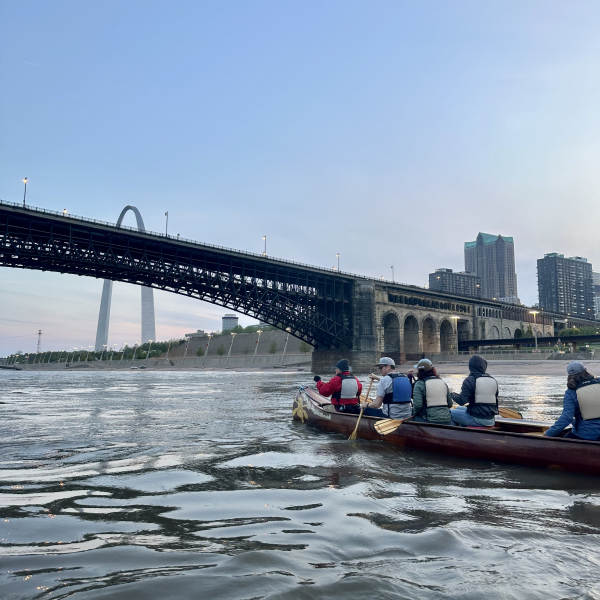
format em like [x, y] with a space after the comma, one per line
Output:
[165, 485]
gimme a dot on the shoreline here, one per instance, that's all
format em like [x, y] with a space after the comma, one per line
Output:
[495, 367]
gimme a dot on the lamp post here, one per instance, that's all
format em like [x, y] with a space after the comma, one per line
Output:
[207, 346]
[287, 337]
[149, 348]
[102, 353]
[393, 280]
[534, 312]
[167, 224]
[123, 353]
[134, 351]
[25, 192]
[230, 347]
[256, 347]
[265, 241]
[113, 351]
[186, 349]
[338, 259]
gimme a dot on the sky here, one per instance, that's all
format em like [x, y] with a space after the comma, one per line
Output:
[390, 132]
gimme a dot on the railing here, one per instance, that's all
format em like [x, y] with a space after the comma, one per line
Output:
[174, 238]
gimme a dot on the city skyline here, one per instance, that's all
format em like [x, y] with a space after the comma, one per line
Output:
[238, 127]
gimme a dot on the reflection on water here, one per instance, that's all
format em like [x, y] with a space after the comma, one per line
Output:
[159, 485]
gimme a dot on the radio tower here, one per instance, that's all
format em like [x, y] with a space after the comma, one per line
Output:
[39, 348]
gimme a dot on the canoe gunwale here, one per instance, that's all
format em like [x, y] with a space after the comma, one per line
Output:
[310, 392]
[491, 445]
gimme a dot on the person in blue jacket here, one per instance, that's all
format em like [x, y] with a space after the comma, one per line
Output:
[581, 405]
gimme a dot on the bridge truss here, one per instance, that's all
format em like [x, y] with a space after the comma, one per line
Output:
[313, 304]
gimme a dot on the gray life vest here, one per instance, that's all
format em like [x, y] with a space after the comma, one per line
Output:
[588, 397]
[436, 392]
[485, 390]
[349, 392]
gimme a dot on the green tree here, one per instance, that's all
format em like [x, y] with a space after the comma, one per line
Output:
[304, 347]
[200, 351]
[273, 347]
[529, 332]
[221, 350]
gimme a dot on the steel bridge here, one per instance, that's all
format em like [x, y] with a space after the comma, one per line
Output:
[313, 304]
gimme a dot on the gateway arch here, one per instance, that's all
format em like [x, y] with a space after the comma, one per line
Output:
[148, 322]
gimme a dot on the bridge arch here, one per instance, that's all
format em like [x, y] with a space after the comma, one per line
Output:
[447, 337]
[518, 334]
[411, 338]
[148, 320]
[494, 333]
[391, 335]
[430, 342]
[506, 333]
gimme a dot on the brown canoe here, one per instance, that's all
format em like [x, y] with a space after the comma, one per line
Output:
[511, 440]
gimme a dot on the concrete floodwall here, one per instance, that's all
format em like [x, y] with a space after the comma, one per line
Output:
[244, 345]
[210, 362]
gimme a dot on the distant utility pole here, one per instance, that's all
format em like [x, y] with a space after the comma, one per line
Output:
[39, 346]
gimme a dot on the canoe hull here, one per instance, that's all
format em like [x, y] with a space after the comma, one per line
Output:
[484, 444]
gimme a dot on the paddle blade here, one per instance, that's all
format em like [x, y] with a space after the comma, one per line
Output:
[387, 426]
[354, 433]
[509, 413]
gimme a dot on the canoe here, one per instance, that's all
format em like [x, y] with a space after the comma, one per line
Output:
[510, 440]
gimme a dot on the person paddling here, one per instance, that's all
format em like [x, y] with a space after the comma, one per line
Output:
[480, 394]
[431, 396]
[394, 393]
[344, 389]
[581, 405]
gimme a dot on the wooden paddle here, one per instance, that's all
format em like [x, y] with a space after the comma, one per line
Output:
[507, 413]
[353, 434]
[387, 426]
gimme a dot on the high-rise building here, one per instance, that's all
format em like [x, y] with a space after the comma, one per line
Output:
[566, 285]
[464, 284]
[229, 321]
[492, 258]
[596, 278]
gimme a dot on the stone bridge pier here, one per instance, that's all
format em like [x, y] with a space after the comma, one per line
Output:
[408, 324]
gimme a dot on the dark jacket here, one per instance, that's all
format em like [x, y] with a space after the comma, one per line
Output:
[477, 369]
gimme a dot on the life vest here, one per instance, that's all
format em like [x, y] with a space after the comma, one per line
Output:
[436, 392]
[485, 390]
[349, 392]
[484, 403]
[401, 391]
[588, 398]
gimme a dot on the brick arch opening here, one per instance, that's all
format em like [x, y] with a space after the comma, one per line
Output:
[447, 337]
[411, 338]
[430, 345]
[494, 333]
[391, 336]
[506, 333]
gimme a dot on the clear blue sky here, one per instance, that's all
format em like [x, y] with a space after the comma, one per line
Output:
[390, 132]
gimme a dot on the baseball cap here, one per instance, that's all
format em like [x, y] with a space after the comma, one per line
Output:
[575, 367]
[424, 365]
[385, 361]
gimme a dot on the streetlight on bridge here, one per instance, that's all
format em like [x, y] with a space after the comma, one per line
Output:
[265, 241]
[25, 192]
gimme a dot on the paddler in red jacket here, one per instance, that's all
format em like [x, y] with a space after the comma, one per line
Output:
[344, 389]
